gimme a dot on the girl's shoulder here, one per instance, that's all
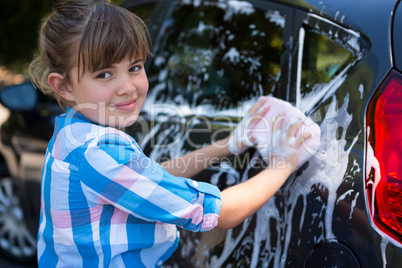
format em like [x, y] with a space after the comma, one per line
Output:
[113, 136]
[73, 132]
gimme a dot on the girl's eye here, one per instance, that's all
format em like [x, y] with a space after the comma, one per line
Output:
[104, 75]
[135, 69]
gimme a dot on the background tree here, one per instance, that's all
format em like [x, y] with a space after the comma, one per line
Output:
[19, 25]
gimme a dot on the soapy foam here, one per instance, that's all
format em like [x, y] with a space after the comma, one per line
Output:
[263, 135]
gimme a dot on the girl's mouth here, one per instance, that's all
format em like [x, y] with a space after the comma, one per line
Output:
[126, 106]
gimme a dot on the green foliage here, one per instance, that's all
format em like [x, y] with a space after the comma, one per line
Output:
[19, 24]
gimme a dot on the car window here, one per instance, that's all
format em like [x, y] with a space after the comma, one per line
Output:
[323, 59]
[216, 55]
[327, 52]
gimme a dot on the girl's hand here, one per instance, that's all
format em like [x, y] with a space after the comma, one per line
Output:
[287, 138]
[241, 138]
[242, 200]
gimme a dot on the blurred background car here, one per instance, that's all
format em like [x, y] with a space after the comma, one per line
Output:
[337, 61]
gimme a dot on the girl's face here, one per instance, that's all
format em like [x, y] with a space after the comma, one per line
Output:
[113, 96]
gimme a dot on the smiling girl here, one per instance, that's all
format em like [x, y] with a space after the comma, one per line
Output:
[103, 202]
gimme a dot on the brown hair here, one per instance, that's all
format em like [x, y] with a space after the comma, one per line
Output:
[89, 33]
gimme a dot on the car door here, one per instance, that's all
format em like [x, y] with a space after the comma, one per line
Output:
[325, 220]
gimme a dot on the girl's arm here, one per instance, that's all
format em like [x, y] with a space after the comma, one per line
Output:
[194, 162]
[242, 200]
[240, 139]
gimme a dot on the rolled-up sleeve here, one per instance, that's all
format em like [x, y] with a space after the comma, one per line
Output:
[114, 171]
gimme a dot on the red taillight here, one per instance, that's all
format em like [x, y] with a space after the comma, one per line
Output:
[384, 119]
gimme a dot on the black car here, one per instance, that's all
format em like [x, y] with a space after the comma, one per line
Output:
[340, 62]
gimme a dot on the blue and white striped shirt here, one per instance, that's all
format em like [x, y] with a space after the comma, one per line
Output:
[104, 203]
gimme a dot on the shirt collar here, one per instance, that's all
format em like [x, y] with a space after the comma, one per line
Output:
[77, 115]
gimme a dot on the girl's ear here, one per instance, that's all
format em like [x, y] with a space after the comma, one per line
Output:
[59, 85]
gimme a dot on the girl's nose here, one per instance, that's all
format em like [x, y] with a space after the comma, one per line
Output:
[127, 86]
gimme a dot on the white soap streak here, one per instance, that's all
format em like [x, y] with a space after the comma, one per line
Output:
[385, 241]
[230, 241]
[384, 244]
[172, 149]
[330, 173]
[233, 176]
[372, 163]
[299, 68]
[361, 90]
[352, 206]
[342, 197]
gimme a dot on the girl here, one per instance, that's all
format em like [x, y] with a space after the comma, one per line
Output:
[104, 203]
